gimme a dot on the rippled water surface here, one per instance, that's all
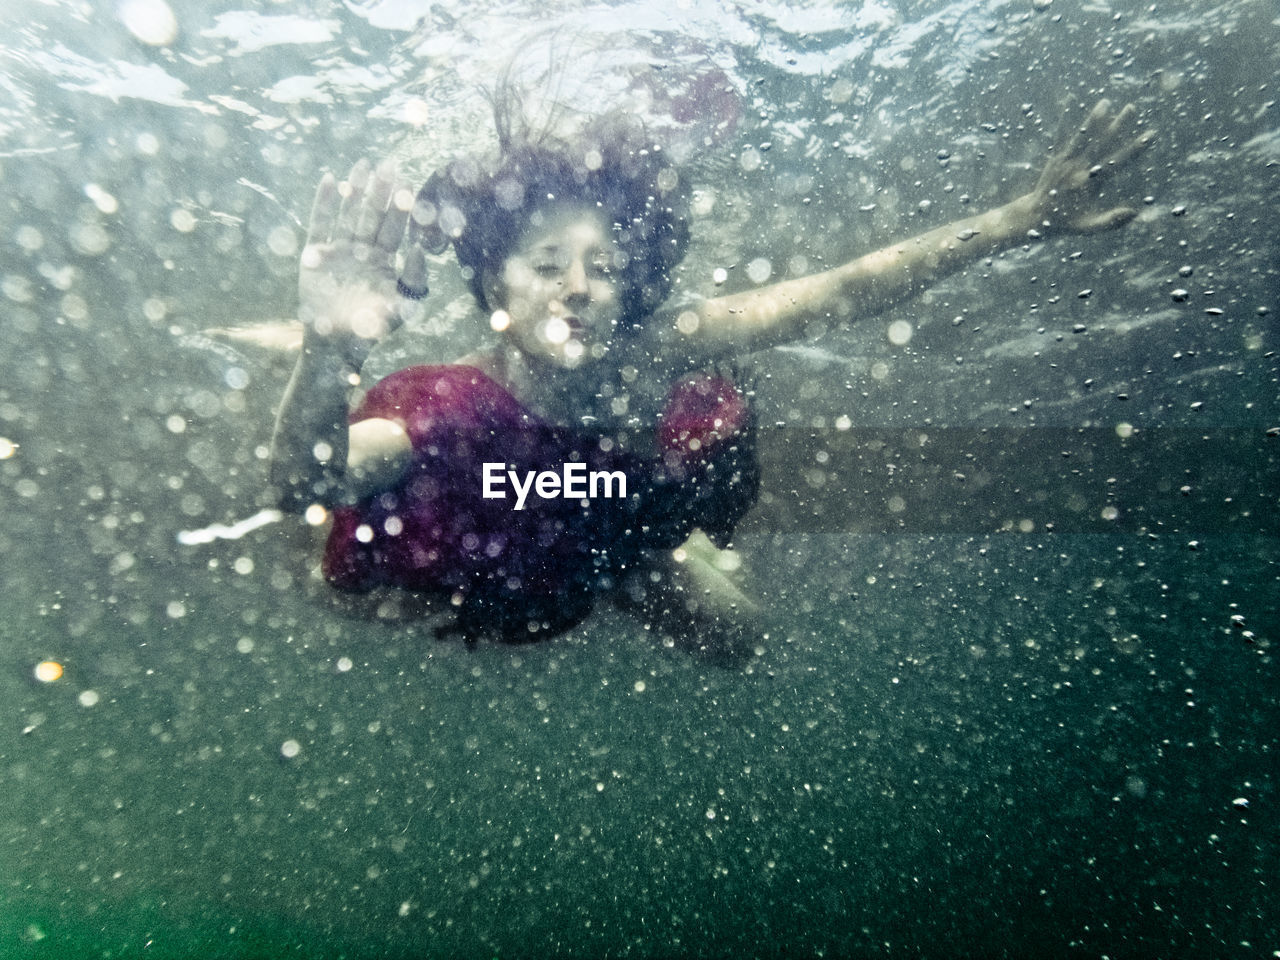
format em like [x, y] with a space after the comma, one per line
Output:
[1019, 696]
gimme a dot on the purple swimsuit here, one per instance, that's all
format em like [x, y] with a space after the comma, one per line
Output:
[522, 574]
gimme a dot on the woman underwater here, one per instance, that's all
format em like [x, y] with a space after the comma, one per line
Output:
[569, 248]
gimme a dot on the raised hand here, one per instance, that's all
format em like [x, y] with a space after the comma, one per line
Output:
[348, 291]
[1069, 194]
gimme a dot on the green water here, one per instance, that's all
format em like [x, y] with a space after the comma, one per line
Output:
[1016, 726]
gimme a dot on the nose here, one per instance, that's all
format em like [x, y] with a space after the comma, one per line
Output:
[576, 288]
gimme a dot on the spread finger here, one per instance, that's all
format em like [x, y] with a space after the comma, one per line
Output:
[352, 190]
[392, 230]
[324, 210]
[1118, 131]
[1085, 133]
[413, 279]
[1131, 149]
[374, 207]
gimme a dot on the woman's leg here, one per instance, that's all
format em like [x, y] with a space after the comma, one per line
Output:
[689, 595]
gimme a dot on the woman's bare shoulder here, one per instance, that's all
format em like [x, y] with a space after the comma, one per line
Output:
[485, 360]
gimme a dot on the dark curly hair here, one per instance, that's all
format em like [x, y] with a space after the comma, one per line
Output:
[484, 209]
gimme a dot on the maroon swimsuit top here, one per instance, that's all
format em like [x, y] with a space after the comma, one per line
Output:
[522, 574]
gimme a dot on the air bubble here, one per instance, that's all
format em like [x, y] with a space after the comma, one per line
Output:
[150, 21]
[182, 220]
[104, 201]
[281, 241]
[759, 270]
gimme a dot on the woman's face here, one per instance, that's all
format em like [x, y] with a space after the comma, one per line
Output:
[558, 291]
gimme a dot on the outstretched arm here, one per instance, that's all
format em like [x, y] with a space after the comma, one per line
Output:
[349, 298]
[1066, 198]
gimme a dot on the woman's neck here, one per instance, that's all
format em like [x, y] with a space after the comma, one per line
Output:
[574, 397]
[608, 398]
